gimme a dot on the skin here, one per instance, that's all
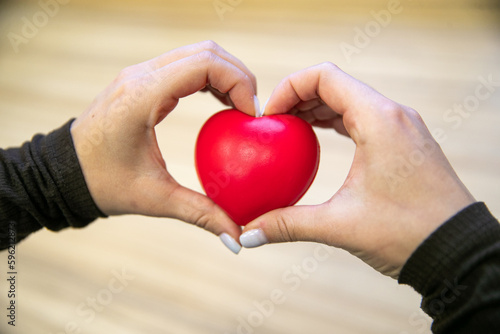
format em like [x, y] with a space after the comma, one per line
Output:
[116, 143]
[385, 208]
[383, 211]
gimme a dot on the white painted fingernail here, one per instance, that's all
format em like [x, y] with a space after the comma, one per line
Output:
[230, 243]
[257, 106]
[263, 108]
[253, 238]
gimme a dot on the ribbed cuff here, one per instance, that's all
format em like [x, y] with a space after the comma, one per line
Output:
[69, 177]
[442, 254]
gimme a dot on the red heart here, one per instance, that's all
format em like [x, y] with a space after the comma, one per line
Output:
[250, 166]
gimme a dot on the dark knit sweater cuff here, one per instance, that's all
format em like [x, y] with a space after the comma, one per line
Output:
[445, 250]
[69, 178]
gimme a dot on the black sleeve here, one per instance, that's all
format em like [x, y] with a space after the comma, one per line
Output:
[457, 271]
[42, 185]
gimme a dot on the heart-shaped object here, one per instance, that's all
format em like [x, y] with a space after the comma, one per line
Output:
[249, 166]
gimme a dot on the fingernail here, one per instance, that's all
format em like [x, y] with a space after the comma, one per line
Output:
[257, 106]
[253, 238]
[263, 108]
[230, 243]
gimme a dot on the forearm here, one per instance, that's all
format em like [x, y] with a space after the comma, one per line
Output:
[457, 271]
[42, 185]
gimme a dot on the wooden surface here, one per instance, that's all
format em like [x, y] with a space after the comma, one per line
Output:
[175, 278]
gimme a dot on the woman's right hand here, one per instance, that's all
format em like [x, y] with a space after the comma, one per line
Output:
[400, 187]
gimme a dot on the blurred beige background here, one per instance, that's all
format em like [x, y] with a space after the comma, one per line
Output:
[143, 275]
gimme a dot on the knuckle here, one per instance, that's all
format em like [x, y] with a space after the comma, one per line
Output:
[204, 214]
[127, 73]
[201, 220]
[398, 113]
[244, 78]
[126, 93]
[284, 226]
[390, 111]
[412, 113]
[328, 66]
[206, 56]
[399, 120]
[252, 78]
[210, 45]
[390, 108]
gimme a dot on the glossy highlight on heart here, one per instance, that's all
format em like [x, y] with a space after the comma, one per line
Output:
[249, 166]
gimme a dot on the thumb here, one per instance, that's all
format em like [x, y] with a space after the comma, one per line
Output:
[296, 223]
[197, 209]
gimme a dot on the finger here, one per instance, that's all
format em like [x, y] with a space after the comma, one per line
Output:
[191, 74]
[296, 223]
[223, 98]
[197, 209]
[321, 112]
[321, 116]
[341, 92]
[157, 194]
[336, 123]
[303, 106]
[190, 50]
